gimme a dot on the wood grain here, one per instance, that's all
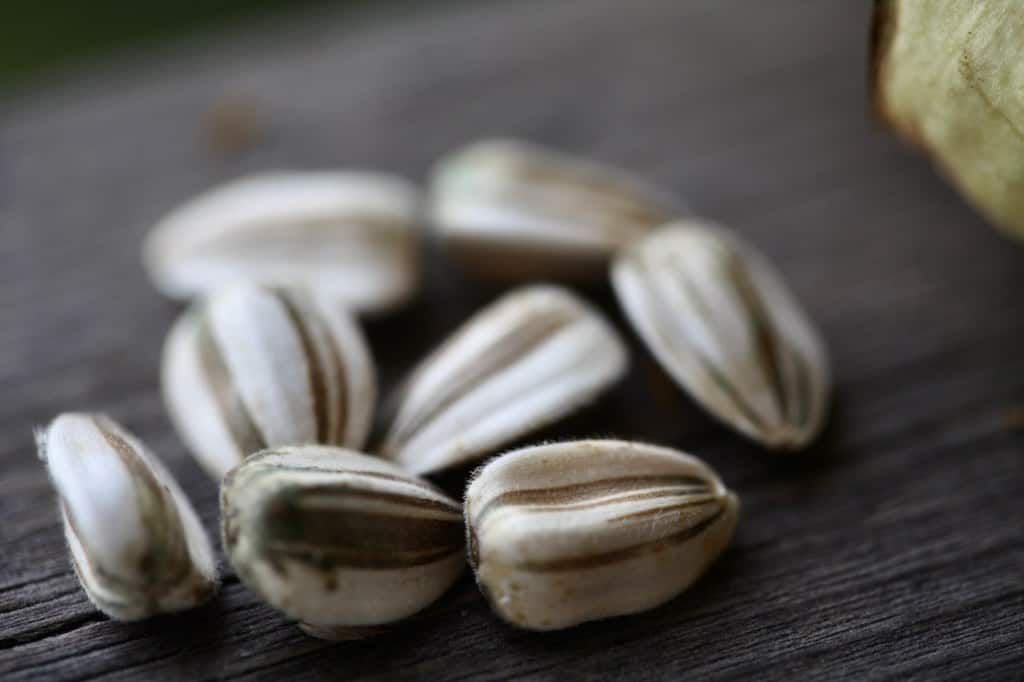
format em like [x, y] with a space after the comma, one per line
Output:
[893, 550]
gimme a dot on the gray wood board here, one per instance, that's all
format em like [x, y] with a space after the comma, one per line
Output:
[893, 549]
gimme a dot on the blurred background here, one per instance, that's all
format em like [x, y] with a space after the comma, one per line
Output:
[40, 40]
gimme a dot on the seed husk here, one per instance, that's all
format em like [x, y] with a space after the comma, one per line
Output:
[530, 358]
[340, 541]
[564, 533]
[253, 367]
[352, 235]
[137, 545]
[724, 325]
[513, 210]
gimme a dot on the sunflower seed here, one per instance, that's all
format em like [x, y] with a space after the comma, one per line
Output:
[340, 541]
[721, 321]
[534, 356]
[514, 210]
[349, 234]
[137, 546]
[569, 532]
[254, 367]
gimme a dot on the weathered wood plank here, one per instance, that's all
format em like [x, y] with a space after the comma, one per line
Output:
[893, 550]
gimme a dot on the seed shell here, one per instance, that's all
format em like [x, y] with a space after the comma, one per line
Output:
[532, 357]
[723, 324]
[564, 533]
[255, 367]
[512, 210]
[352, 235]
[340, 541]
[136, 543]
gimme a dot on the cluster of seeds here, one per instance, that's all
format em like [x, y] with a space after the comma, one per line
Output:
[272, 387]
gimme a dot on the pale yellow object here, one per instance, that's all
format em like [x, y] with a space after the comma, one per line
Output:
[949, 75]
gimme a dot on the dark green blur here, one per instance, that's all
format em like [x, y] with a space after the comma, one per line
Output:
[40, 38]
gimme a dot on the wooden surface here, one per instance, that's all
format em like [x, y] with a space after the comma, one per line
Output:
[894, 549]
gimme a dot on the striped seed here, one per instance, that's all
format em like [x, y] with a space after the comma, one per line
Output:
[564, 533]
[229, 405]
[512, 210]
[530, 358]
[255, 367]
[352, 235]
[340, 541]
[722, 323]
[136, 544]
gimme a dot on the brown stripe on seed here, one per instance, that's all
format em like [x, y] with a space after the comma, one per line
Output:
[767, 340]
[677, 491]
[581, 492]
[314, 368]
[347, 490]
[357, 539]
[422, 485]
[671, 510]
[341, 381]
[472, 547]
[717, 375]
[625, 554]
[167, 561]
[130, 458]
[236, 415]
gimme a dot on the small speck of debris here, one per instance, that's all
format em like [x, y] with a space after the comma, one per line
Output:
[232, 124]
[1015, 418]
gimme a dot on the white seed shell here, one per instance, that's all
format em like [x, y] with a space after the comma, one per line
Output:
[340, 541]
[570, 532]
[136, 543]
[722, 322]
[254, 367]
[514, 210]
[349, 234]
[534, 356]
